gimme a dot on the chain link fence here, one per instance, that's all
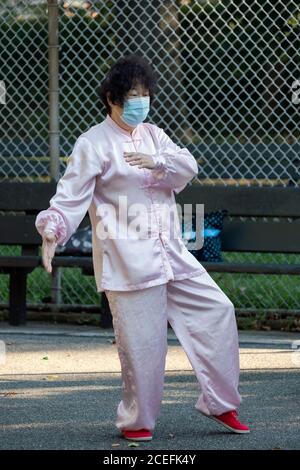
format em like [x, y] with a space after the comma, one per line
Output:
[229, 86]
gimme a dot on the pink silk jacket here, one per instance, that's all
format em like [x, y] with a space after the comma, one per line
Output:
[99, 180]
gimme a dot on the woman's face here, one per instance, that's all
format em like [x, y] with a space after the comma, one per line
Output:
[116, 110]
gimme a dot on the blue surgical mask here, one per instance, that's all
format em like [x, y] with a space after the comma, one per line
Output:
[136, 110]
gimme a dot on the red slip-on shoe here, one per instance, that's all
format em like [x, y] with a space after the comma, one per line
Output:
[230, 421]
[138, 435]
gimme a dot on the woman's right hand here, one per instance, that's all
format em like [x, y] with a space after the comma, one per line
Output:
[48, 249]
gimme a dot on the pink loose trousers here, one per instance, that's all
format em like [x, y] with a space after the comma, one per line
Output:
[203, 319]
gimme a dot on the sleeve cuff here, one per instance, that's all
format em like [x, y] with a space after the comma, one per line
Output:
[51, 221]
[160, 169]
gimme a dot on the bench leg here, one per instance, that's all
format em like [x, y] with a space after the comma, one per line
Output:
[17, 297]
[106, 318]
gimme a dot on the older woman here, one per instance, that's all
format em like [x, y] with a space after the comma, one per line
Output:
[124, 172]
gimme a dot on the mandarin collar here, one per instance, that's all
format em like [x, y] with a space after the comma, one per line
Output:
[116, 127]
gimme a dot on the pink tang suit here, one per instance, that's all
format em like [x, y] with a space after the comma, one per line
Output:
[149, 276]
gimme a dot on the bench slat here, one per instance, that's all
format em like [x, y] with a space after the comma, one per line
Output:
[20, 229]
[252, 268]
[26, 196]
[273, 237]
[87, 263]
[277, 237]
[239, 200]
[244, 201]
[35, 261]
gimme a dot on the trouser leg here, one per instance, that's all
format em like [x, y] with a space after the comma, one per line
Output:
[203, 319]
[140, 325]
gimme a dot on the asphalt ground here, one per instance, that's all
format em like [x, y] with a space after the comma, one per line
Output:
[61, 384]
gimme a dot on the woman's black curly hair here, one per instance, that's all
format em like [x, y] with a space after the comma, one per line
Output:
[128, 72]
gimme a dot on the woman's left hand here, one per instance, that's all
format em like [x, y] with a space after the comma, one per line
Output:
[142, 159]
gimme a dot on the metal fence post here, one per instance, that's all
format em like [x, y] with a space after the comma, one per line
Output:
[53, 56]
[53, 88]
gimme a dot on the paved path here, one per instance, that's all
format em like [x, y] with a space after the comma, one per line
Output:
[61, 384]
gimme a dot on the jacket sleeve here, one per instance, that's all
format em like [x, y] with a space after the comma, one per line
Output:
[74, 193]
[174, 166]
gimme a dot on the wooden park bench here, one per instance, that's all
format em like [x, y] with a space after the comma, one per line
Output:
[20, 203]
[280, 233]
